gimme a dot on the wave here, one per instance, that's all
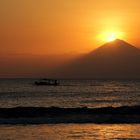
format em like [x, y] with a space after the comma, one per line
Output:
[52, 115]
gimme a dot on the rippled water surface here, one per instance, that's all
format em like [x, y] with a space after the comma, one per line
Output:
[71, 132]
[70, 93]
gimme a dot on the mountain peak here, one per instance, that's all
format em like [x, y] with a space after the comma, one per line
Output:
[118, 42]
[113, 60]
[115, 46]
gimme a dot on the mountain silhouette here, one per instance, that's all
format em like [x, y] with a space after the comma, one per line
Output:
[114, 60]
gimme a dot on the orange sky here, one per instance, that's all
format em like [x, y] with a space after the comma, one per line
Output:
[40, 27]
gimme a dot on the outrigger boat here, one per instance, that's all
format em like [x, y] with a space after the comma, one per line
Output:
[47, 82]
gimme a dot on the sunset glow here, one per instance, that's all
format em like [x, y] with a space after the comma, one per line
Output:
[70, 68]
[34, 33]
[110, 36]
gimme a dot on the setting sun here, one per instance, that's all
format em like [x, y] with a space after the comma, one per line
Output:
[109, 36]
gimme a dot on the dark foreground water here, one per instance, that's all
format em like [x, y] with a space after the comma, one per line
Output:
[74, 93]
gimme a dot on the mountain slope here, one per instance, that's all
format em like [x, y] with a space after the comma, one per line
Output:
[114, 60]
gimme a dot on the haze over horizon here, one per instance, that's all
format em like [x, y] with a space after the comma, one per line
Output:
[38, 36]
[114, 60]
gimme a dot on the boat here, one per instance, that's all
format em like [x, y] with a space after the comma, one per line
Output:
[47, 82]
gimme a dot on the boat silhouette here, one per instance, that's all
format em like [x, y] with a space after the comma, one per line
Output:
[47, 82]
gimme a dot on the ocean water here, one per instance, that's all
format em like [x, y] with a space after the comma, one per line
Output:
[70, 93]
[70, 132]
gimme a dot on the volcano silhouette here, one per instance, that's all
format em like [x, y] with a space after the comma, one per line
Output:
[114, 60]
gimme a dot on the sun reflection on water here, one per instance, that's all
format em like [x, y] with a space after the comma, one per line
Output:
[71, 132]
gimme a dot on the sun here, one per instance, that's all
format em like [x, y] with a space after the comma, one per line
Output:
[109, 36]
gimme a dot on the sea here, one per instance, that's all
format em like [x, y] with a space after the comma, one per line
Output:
[70, 94]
